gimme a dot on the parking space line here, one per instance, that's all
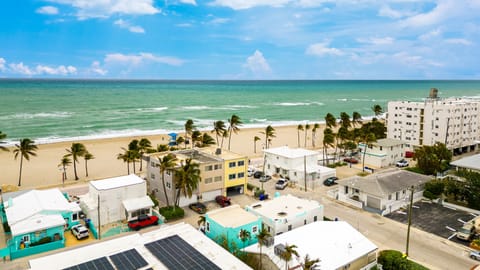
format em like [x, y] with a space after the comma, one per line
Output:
[451, 236]
[401, 212]
[449, 207]
[415, 206]
[473, 214]
[460, 220]
[450, 228]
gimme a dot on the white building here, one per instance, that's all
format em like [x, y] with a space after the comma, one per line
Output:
[116, 199]
[294, 163]
[336, 244]
[453, 121]
[175, 241]
[471, 163]
[285, 213]
[384, 152]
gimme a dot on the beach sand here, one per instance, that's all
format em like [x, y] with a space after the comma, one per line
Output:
[42, 171]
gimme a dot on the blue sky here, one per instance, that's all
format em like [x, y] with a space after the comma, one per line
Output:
[240, 39]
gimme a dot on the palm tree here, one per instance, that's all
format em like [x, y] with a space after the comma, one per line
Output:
[299, 128]
[201, 220]
[167, 162]
[262, 237]
[124, 156]
[134, 152]
[287, 254]
[314, 133]
[255, 140]
[308, 263]
[269, 133]
[330, 120]
[377, 110]
[188, 177]
[88, 156]
[189, 127]
[219, 128]
[234, 122]
[76, 150]
[207, 140]
[143, 146]
[368, 137]
[345, 120]
[64, 162]
[25, 149]
[356, 118]
[244, 236]
[3, 136]
[196, 137]
[328, 140]
[162, 148]
[307, 127]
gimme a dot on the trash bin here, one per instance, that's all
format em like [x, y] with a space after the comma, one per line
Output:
[261, 197]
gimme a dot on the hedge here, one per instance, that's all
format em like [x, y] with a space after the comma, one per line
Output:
[394, 260]
[171, 212]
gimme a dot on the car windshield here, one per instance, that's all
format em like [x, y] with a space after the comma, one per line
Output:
[463, 230]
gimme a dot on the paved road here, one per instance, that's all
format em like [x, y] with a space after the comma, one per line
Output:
[430, 250]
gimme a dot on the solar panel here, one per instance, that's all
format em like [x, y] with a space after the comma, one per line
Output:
[128, 260]
[97, 264]
[176, 254]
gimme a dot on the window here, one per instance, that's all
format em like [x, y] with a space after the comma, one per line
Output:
[217, 179]
[231, 164]
[304, 222]
[389, 196]
[207, 226]
[168, 185]
[290, 227]
[231, 176]
[139, 212]
[26, 238]
[74, 216]
[254, 229]
[240, 163]
[314, 218]
[152, 175]
[208, 180]
[240, 175]
[208, 168]
[153, 164]
[218, 166]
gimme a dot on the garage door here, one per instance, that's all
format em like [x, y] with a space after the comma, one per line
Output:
[210, 195]
[373, 202]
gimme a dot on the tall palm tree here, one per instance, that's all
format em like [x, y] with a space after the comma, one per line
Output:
[206, 140]
[345, 120]
[188, 177]
[307, 127]
[328, 140]
[196, 137]
[3, 136]
[65, 162]
[287, 254]
[299, 128]
[308, 263]
[162, 147]
[143, 147]
[377, 110]
[219, 128]
[255, 140]
[76, 150]
[180, 140]
[233, 127]
[269, 133]
[167, 162]
[88, 156]
[189, 127]
[368, 137]
[25, 149]
[314, 133]
[330, 120]
[262, 237]
[244, 236]
[201, 221]
[124, 156]
[356, 119]
[134, 152]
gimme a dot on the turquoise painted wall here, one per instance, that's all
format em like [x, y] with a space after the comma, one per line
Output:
[14, 244]
[215, 231]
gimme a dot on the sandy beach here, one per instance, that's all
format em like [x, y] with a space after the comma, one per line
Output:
[42, 171]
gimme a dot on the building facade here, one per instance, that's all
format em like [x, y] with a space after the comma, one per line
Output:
[384, 152]
[452, 121]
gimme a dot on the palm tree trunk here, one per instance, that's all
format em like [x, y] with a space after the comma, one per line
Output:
[260, 257]
[86, 168]
[141, 155]
[363, 161]
[65, 172]
[165, 189]
[229, 138]
[305, 138]
[128, 167]
[134, 166]
[20, 174]
[255, 147]
[75, 168]
[298, 138]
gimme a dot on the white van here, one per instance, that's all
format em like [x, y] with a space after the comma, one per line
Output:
[466, 232]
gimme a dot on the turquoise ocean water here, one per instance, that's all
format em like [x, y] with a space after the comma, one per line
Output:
[60, 110]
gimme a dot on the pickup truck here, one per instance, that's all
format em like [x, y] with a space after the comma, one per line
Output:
[142, 221]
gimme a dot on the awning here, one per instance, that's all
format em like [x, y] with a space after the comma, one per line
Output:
[137, 203]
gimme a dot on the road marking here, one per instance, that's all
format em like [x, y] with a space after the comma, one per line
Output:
[459, 220]
[451, 236]
[449, 207]
[415, 206]
[450, 228]
[473, 214]
[401, 212]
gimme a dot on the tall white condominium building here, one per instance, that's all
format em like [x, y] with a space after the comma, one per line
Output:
[452, 121]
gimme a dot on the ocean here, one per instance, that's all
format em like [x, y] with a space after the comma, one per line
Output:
[67, 110]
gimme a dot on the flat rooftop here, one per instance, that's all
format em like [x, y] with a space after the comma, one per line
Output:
[232, 216]
[116, 182]
[286, 206]
[285, 151]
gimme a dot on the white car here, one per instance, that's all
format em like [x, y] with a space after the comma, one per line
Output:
[281, 184]
[251, 171]
[80, 231]
[402, 163]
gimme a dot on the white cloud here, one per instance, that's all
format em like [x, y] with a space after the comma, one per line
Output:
[321, 49]
[97, 69]
[191, 2]
[460, 41]
[257, 64]
[441, 12]
[48, 10]
[386, 11]
[219, 21]
[135, 60]
[126, 25]
[20, 68]
[246, 4]
[432, 34]
[105, 8]
[415, 60]
[377, 41]
[2, 64]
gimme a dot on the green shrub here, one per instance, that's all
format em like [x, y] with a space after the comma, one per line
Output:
[259, 192]
[394, 260]
[427, 194]
[154, 199]
[44, 240]
[436, 187]
[251, 187]
[6, 227]
[170, 212]
[415, 170]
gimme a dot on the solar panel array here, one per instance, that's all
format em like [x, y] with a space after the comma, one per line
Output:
[97, 264]
[128, 260]
[176, 254]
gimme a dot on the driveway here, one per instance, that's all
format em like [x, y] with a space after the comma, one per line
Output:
[435, 219]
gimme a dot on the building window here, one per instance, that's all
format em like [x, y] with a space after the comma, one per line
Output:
[218, 166]
[314, 218]
[168, 185]
[26, 238]
[231, 164]
[241, 175]
[240, 163]
[217, 179]
[208, 168]
[254, 229]
[152, 175]
[389, 196]
[231, 176]
[290, 227]
[207, 226]
[304, 222]
[208, 180]
[153, 164]
[74, 216]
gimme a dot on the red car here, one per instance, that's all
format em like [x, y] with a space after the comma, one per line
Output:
[351, 160]
[223, 201]
[142, 221]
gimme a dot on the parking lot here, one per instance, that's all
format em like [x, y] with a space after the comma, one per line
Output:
[436, 219]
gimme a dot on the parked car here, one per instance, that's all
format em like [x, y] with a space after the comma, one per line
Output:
[265, 178]
[475, 255]
[409, 154]
[142, 221]
[351, 160]
[250, 171]
[466, 232]
[223, 201]
[402, 163]
[80, 231]
[198, 207]
[330, 181]
[281, 184]
[257, 174]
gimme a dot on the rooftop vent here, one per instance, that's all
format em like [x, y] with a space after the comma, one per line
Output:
[218, 151]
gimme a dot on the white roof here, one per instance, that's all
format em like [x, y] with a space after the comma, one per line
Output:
[116, 182]
[33, 202]
[37, 223]
[471, 162]
[335, 243]
[283, 207]
[285, 151]
[232, 216]
[195, 238]
[137, 203]
[311, 168]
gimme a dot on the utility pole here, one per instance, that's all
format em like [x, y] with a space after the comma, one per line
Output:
[412, 189]
[305, 171]
[98, 213]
